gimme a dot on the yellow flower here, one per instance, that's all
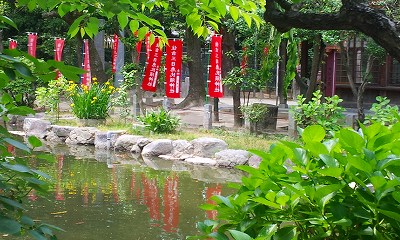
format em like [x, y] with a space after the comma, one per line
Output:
[103, 90]
[72, 104]
[94, 79]
[92, 101]
[94, 98]
[71, 82]
[107, 83]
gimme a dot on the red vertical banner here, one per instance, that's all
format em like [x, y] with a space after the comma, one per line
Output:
[87, 76]
[32, 39]
[115, 53]
[148, 47]
[173, 68]
[215, 88]
[152, 67]
[12, 43]
[58, 50]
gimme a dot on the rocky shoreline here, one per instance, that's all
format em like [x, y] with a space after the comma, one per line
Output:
[200, 151]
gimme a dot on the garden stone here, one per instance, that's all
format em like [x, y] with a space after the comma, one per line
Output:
[254, 161]
[214, 174]
[82, 136]
[157, 148]
[52, 138]
[36, 127]
[181, 149]
[106, 140]
[207, 147]
[125, 142]
[231, 157]
[62, 131]
[201, 161]
[136, 149]
[143, 142]
[169, 157]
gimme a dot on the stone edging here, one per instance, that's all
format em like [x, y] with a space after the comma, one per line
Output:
[202, 151]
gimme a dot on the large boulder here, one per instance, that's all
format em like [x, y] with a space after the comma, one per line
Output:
[36, 127]
[182, 149]
[106, 140]
[82, 136]
[125, 142]
[157, 148]
[254, 161]
[232, 157]
[207, 147]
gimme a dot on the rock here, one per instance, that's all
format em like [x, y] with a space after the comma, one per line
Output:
[169, 157]
[62, 131]
[231, 157]
[82, 136]
[52, 138]
[207, 147]
[136, 149]
[254, 161]
[106, 140]
[36, 127]
[181, 149]
[157, 148]
[201, 161]
[125, 142]
[143, 142]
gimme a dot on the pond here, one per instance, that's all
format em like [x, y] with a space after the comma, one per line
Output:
[107, 195]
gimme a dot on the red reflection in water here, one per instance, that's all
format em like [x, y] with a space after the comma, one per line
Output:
[59, 191]
[11, 149]
[171, 204]
[85, 193]
[211, 191]
[151, 198]
[115, 184]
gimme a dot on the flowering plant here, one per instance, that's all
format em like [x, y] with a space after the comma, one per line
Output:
[91, 102]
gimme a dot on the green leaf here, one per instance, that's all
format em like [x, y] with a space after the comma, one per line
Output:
[331, 172]
[225, 200]
[352, 139]
[21, 110]
[17, 144]
[22, 69]
[234, 11]
[268, 231]
[27, 221]
[237, 235]
[266, 202]
[9, 226]
[220, 6]
[391, 214]
[16, 167]
[286, 233]
[11, 202]
[9, 72]
[325, 193]
[8, 21]
[359, 163]
[34, 141]
[246, 18]
[313, 133]
[36, 235]
[123, 19]
[134, 25]
[329, 160]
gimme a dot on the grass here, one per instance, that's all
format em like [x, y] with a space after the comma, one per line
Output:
[237, 139]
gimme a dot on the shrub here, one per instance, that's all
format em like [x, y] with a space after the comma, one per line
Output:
[383, 112]
[326, 113]
[160, 121]
[91, 102]
[254, 112]
[343, 188]
[50, 96]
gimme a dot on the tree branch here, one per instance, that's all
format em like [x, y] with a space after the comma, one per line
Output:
[353, 15]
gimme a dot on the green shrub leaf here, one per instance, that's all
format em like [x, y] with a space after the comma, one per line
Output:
[313, 133]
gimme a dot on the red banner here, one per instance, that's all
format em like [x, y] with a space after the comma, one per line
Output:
[153, 67]
[115, 53]
[32, 39]
[138, 48]
[215, 88]
[87, 76]
[148, 47]
[12, 44]
[58, 50]
[173, 68]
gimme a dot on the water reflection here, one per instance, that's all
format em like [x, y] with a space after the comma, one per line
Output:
[97, 197]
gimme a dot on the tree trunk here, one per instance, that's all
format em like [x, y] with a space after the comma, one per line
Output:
[282, 72]
[228, 63]
[316, 61]
[197, 92]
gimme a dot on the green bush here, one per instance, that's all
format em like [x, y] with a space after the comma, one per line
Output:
[347, 187]
[50, 96]
[160, 121]
[383, 112]
[91, 102]
[326, 113]
[254, 112]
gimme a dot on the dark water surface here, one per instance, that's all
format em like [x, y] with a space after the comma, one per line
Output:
[106, 195]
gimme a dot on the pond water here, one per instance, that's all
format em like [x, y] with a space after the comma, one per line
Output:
[106, 195]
